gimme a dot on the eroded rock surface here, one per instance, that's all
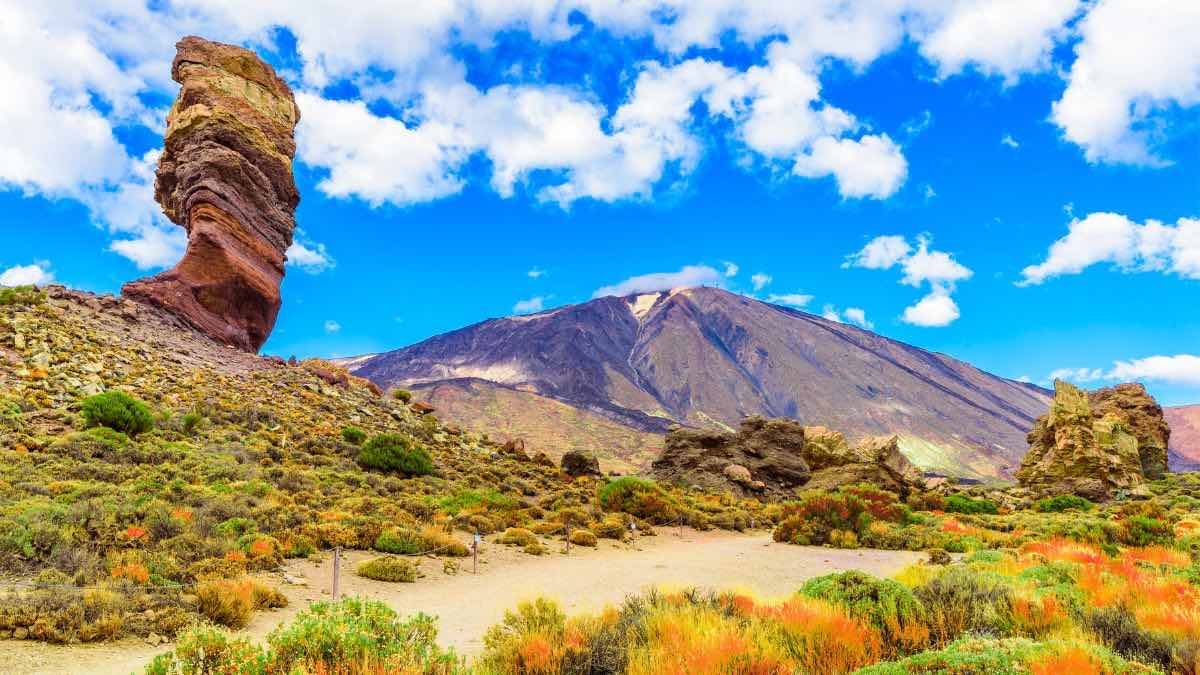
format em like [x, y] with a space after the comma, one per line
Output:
[1096, 444]
[773, 458]
[225, 175]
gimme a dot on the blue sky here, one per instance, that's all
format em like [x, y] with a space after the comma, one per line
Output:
[1020, 190]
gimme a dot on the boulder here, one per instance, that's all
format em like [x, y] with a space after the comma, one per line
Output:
[225, 175]
[1091, 445]
[777, 457]
[576, 463]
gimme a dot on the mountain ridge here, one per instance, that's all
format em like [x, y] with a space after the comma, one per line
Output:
[707, 357]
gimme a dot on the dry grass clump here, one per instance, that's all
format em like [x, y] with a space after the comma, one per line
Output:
[229, 602]
[582, 538]
[517, 536]
[388, 569]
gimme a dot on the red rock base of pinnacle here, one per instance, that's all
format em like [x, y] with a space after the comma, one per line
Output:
[226, 285]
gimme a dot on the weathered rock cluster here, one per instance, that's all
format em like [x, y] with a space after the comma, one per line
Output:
[225, 175]
[775, 457]
[1096, 444]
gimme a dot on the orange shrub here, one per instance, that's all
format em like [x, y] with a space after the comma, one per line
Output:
[1073, 660]
[1157, 555]
[1036, 616]
[134, 533]
[824, 638]
[133, 572]
[226, 601]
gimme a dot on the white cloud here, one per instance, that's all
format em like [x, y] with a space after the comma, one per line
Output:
[1183, 369]
[731, 269]
[858, 317]
[535, 273]
[998, 37]
[84, 69]
[791, 299]
[930, 193]
[1178, 369]
[936, 267]
[851, 315]
[920, 266]
[1137, 61]
[880, 253]
[871, 166]
[759, 280]
[37, 273]
[689, 275]
[1008, 140]
[530, 306]
[1128, 246]
[309, 256]
[934, 310]
[332, 326]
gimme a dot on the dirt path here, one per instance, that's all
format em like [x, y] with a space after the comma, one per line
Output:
[466, 604]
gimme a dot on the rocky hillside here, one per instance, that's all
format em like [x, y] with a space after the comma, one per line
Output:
[1185, 437]
[707, 358]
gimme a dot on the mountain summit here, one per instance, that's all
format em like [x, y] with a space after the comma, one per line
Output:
[613, 373]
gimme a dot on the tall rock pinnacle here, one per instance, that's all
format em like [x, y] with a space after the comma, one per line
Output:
[225, 175]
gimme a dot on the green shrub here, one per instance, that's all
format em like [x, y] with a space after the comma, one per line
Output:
[119, 411]
[976, 656]
[393, 452]
[21, 295]
[965, 504]
[1116, 628]
[388, 569]
[1146, 531]
[205, 649]
[467, 500]
[353, 435]
[962, 600]
[190, 422]
[639, 497]
[1060, 503]
[355, 631]
[402, 395]
[815, 518]
[887, 605]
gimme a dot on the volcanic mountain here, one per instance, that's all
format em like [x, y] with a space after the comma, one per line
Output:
[612, 374]
[1184, 452]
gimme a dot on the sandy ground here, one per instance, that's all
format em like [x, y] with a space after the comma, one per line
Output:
[467, 604]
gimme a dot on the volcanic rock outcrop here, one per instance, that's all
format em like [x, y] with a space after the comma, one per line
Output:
[1095, 444]
[225, 175]
[773, 458]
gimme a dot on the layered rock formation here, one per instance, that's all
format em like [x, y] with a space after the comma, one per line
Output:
[225, 175]
[1096, 444]
[775, 458]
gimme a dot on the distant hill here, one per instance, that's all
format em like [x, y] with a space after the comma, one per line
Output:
[630, 367]
[1184, 453]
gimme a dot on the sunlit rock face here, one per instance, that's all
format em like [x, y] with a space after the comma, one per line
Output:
[225, 175]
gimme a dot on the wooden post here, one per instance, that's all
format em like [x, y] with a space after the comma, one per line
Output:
[568, 527]
[475, 554]
[337, 572]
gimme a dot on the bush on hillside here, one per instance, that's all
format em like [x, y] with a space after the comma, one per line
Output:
[1060, 503]
[965, 504]
[119, 411]
[21, 295]
[402, 395]
[639, 497]
[885, 604]
[394, 452]
[353, 435]
[962, 600]
[817, 517]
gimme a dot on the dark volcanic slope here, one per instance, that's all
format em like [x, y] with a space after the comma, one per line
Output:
[703, 356]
